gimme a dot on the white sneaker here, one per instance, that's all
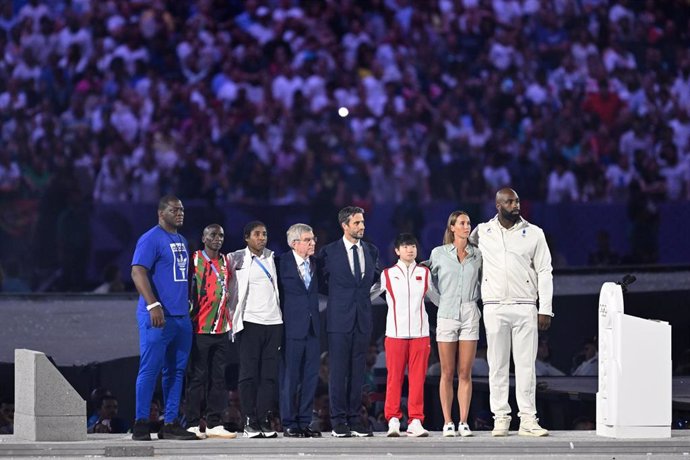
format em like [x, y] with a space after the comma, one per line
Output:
[530, 427]
[393, 427]
[449, 430]
[197, 431]
[464, 430]
[501, 426]
[416, 429]
[220, 432]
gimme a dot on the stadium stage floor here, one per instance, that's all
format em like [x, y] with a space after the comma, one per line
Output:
[560, 444]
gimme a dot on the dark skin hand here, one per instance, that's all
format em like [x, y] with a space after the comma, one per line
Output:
[141, 281]
[544, 322]
[100, 428]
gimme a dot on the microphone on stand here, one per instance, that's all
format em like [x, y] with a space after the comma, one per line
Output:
[626, 281]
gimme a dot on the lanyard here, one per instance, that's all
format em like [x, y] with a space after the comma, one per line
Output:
[215, 270]
[263, 267]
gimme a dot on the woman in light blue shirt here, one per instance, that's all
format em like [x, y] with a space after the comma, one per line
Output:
[455, 274]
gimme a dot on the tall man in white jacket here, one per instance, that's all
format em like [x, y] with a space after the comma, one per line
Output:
[516, 273]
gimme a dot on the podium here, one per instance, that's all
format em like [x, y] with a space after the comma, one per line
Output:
[634, 396]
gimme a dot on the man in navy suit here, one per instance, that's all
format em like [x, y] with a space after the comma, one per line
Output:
[348, 268]
[299, 301]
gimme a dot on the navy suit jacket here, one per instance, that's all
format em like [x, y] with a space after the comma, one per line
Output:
[349, 302]
[300, 305]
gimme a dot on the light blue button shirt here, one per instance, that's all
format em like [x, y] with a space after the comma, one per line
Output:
[456, 283]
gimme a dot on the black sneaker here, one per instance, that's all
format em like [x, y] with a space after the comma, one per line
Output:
[341, 430]
[173, 431]
[360, 431]
[267, 428]
[252, 428]
[141, 431]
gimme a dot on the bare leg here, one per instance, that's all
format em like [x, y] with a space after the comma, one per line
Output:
[446, 354]
[466, 352]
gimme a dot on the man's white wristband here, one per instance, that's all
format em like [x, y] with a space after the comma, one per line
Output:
[153, 305]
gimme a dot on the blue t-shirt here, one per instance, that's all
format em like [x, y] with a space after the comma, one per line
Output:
[166, 258]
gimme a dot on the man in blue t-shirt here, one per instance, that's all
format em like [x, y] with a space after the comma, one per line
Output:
[159, 271]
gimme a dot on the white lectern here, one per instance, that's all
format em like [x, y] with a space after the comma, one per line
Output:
[634, 397]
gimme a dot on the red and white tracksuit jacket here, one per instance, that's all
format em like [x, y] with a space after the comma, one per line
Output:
[407, 337]
[405, 288]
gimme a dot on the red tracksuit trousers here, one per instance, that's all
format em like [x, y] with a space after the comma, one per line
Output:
[412, 354]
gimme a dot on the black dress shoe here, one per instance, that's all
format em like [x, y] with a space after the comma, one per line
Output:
[293, 433]
[309, 433]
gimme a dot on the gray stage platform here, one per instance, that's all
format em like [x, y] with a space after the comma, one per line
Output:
[582, 444]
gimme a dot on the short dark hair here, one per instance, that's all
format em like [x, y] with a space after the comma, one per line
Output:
[210, 226]
[405, 239]
[104, 398]
[251, 226]
[165, 201]
[347, 212]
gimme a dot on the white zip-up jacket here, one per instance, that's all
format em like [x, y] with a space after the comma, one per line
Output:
[240, 262]
[516, 264]
[405, 288]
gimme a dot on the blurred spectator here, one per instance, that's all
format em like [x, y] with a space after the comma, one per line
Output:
[646, 193]
[496, 175]
[562, 185]
[108, 421]
[558, 260]
[586, 361]
[619, 176]
[603, 255]
[94, 404]
[112, 280]
[542, 365]
[605, 104]
[155, 416]
[583, 423]
[11, 280]
[7, 416]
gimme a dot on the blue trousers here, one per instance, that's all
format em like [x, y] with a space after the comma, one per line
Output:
[347, 362]
[166, 349]
[299, 376]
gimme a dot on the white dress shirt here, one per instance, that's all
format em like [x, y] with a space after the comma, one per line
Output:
[360, 251]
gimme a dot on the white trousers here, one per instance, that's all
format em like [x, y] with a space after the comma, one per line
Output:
[514, 324]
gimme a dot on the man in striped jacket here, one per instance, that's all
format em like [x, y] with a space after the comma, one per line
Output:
[209, 293]
[407, 336]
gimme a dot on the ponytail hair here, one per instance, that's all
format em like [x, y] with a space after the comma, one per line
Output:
[448, 236]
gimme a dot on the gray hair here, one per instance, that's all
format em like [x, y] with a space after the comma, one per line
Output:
[296, 231]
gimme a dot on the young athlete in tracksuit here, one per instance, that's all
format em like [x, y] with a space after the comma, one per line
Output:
[407, 336]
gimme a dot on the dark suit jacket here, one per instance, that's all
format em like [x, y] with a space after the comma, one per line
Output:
[300, 306]
[349, 301]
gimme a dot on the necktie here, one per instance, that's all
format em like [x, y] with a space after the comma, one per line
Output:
[306, 273]
[355, 259]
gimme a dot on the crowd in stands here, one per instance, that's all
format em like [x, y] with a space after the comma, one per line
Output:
[325, 101]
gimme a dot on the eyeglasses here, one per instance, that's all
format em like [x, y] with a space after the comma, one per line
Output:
[308, 240]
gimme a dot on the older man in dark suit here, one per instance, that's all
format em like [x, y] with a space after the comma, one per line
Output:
[348, 268]
[299, 301]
